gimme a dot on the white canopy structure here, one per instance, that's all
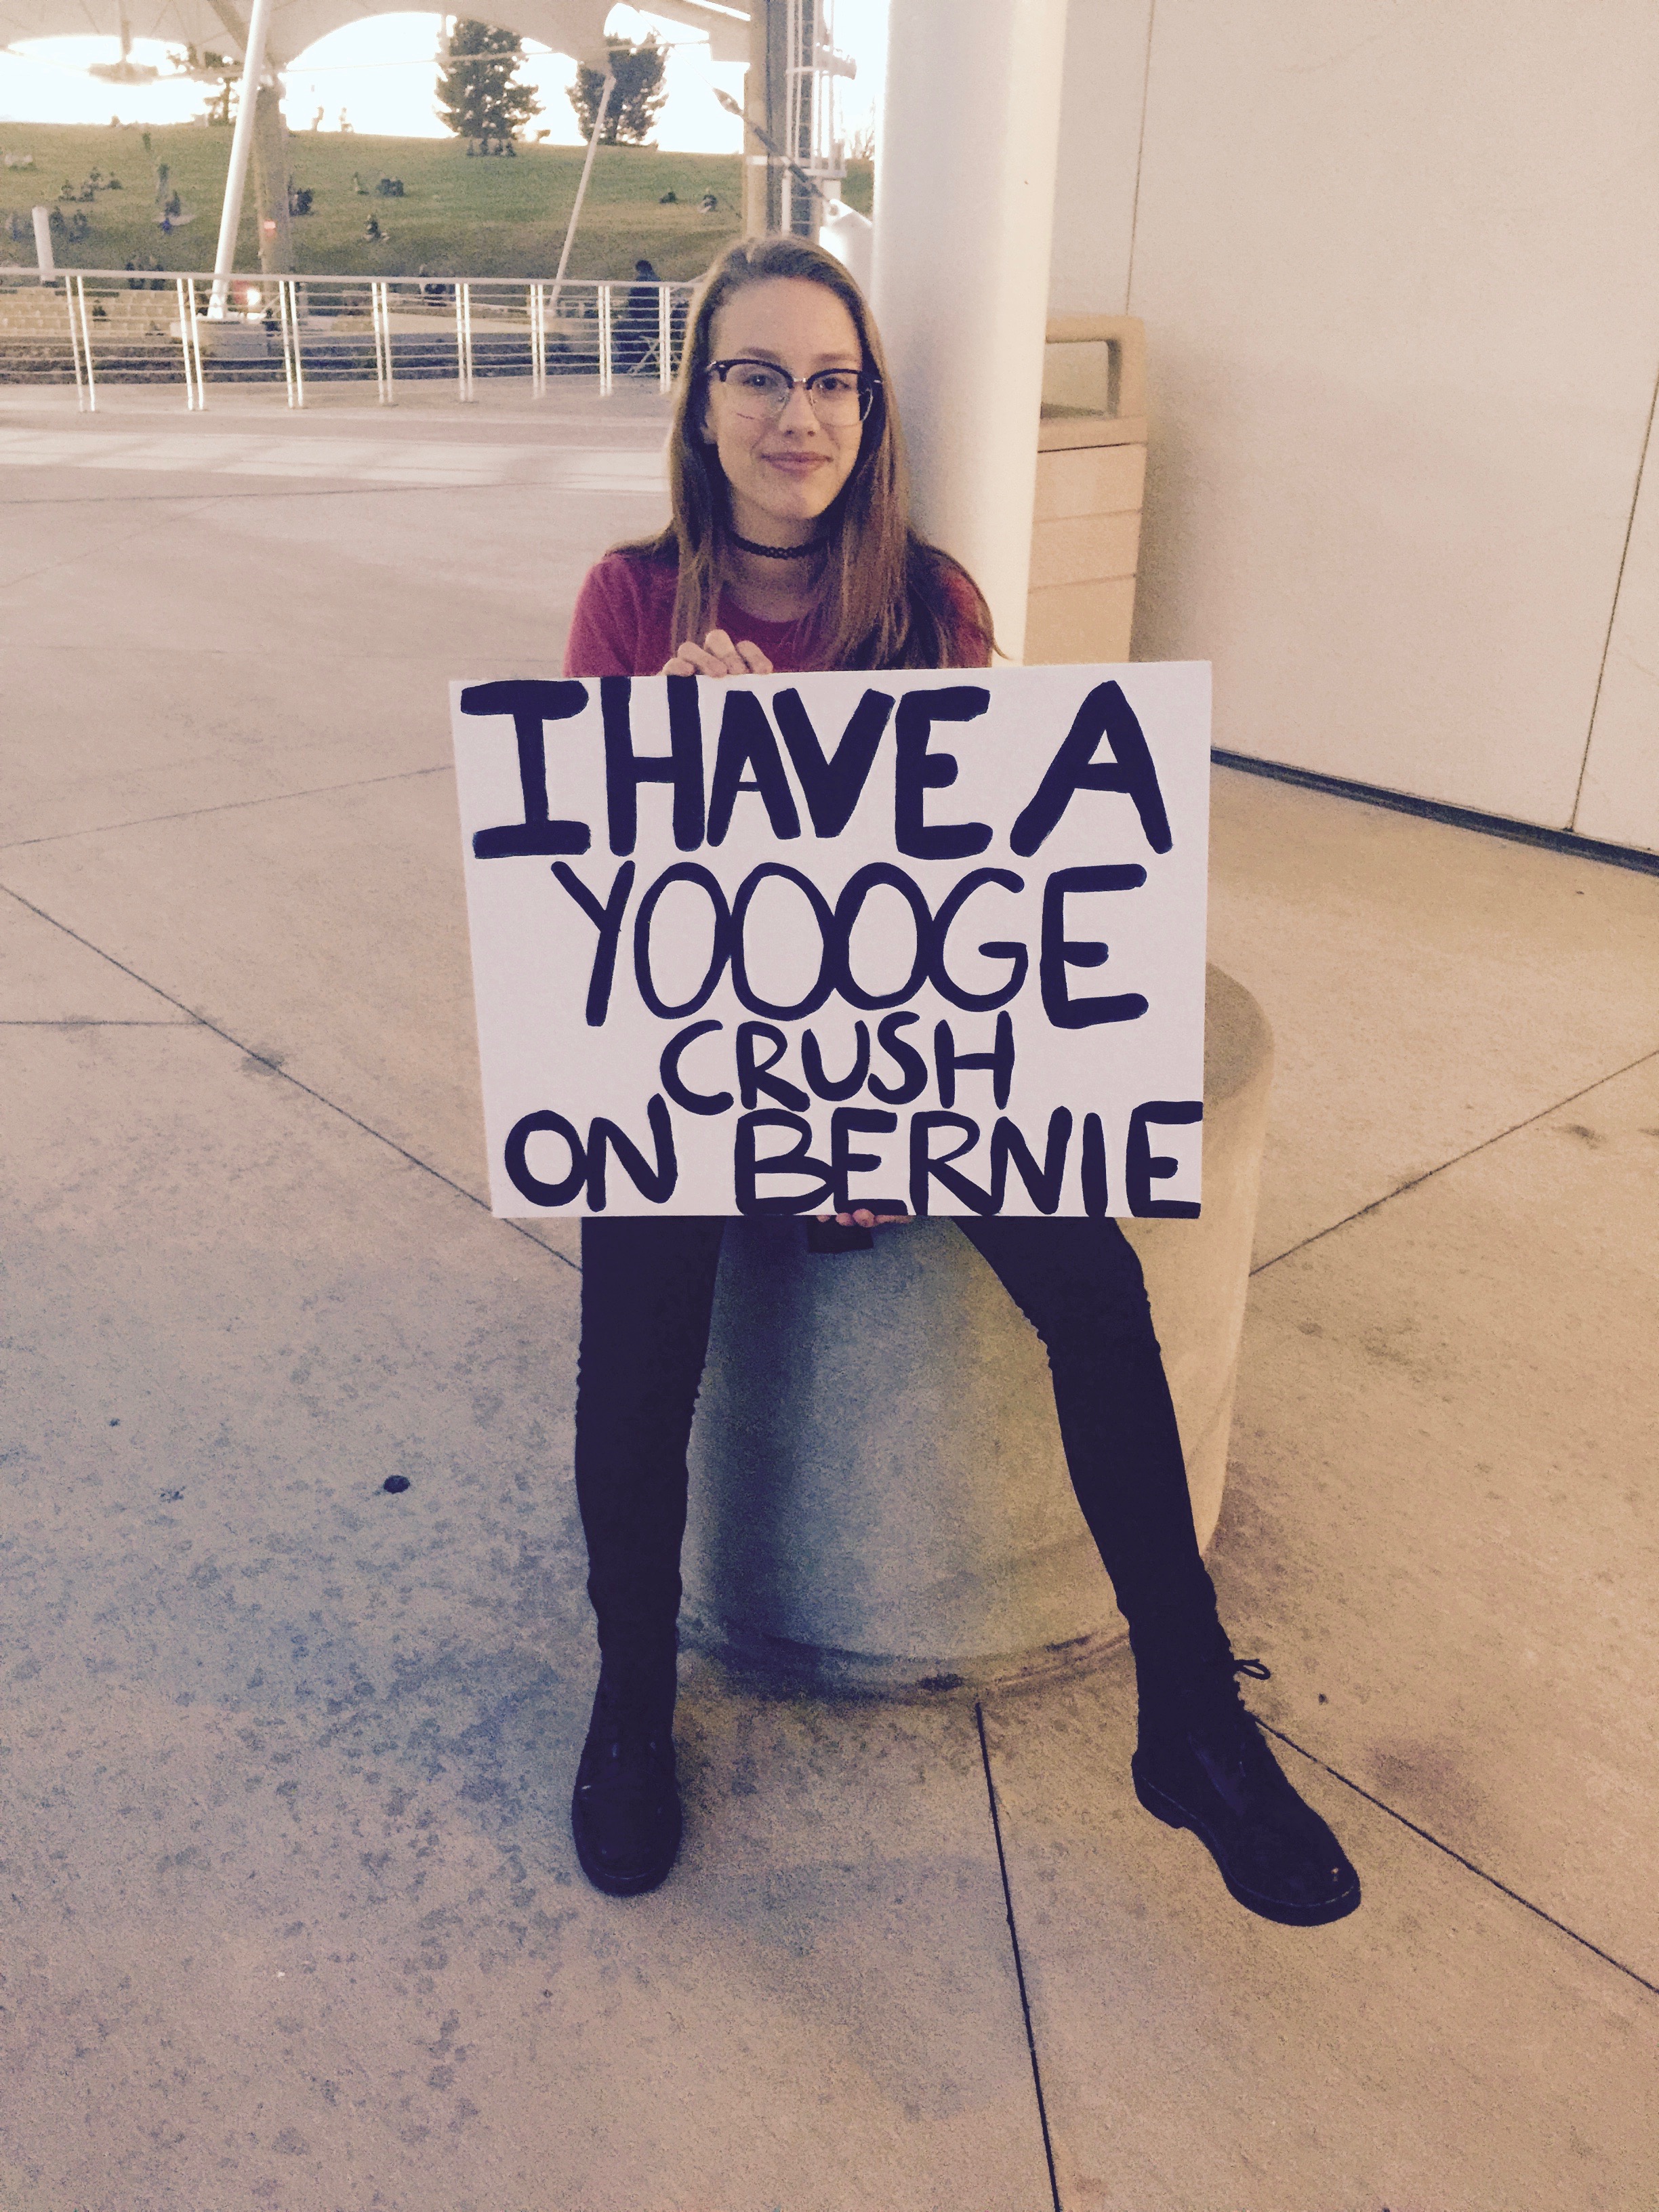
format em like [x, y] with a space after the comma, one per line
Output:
[267, 34]
[570, 27]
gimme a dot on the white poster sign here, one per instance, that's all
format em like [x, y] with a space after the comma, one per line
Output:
[791, 944]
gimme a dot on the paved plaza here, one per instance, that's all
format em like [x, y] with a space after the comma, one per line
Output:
[295, 1922]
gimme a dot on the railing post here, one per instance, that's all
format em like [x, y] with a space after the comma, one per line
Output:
[380, 298]
[184, 344]
[196, 350]
[538, 342]
[463, 342]
[75, 344]
[605, 341]
[86, 345]
[665, 339]
[294, 367]
[190, 338]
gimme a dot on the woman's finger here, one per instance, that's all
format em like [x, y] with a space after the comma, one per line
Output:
[677, 666]
[697, 662]
[754, 659]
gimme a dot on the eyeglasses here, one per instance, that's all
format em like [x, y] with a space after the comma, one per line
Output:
[759, 391]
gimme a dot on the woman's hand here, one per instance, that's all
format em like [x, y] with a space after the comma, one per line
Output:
[718, 656]
[862, 1217]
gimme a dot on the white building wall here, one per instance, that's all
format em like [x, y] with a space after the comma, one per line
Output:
[1401, 281]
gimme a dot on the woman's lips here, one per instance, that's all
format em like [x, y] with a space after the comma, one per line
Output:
[796, 464]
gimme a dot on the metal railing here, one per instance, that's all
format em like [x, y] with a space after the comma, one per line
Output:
[108, 325]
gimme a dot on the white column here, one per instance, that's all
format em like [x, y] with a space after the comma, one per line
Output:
[965, 218]
[241, 145]
[43, 253]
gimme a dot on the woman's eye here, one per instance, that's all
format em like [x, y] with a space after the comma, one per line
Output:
[758, 380]
[837, 380]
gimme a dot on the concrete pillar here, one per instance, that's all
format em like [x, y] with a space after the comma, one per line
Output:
[965, 218]
[43, 252]
[880, 1500]
[270, 183]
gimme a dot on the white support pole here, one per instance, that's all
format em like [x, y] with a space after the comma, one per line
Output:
[241, 146]
[581, 189]
[965, 218]
[43, 244]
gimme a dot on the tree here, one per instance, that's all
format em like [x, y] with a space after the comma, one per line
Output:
[632, 115]
[479, 95]
[206, 67]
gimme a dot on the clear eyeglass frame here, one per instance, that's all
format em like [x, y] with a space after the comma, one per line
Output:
[838, 397]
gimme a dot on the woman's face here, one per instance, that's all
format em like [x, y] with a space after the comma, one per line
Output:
[784, 470]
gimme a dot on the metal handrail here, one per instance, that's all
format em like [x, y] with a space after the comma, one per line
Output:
[631, 339]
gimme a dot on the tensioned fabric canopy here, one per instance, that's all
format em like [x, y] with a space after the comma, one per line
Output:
[570, 27]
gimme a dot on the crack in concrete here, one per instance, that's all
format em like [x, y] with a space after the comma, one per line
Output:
[226, 807]
[1019, 1964]
[1429, 1174]
[198, 1020]
[1337, 1775]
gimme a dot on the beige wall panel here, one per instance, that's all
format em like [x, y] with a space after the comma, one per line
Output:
[1089, 480]
[1080, 622]
[1400, 283]
[1099, 146]
[1084, 548]
[1619, 799]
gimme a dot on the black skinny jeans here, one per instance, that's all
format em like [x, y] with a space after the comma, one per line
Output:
[648, 1295]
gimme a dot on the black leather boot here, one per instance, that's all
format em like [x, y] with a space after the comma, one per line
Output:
[625, 1811]
[1201, 1764]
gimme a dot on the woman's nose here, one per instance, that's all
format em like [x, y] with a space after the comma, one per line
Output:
[798, 399]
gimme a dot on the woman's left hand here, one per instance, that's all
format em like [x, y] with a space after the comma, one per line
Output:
[718, 656]
[861, 1217]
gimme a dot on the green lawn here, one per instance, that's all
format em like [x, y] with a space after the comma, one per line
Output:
[480, 217]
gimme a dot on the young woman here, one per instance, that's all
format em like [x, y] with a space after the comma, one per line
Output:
[790, 548]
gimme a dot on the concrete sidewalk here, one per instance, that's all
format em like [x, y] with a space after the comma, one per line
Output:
[294, 1918]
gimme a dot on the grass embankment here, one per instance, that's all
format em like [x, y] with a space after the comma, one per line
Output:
[459, 217]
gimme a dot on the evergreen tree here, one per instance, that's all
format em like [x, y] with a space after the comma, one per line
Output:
[632, 115]
[478, 93]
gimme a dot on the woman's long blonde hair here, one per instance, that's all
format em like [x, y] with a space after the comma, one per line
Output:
[888, 599]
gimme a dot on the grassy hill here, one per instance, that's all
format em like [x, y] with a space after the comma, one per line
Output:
[478, 217]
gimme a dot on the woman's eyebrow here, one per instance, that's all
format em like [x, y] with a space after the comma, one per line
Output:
[842, 357]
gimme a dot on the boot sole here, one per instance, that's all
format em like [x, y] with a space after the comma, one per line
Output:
[629, 1885]
[1173, 1815]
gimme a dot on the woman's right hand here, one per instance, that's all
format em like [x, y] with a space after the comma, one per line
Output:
[718, 656]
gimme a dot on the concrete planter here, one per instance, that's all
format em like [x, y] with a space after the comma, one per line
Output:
[879, 1501]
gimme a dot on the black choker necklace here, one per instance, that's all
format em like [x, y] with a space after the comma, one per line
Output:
[777, 552]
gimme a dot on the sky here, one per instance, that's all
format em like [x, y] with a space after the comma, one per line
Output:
[381, 72]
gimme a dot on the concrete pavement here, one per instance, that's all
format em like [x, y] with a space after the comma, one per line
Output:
[285, 1759]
